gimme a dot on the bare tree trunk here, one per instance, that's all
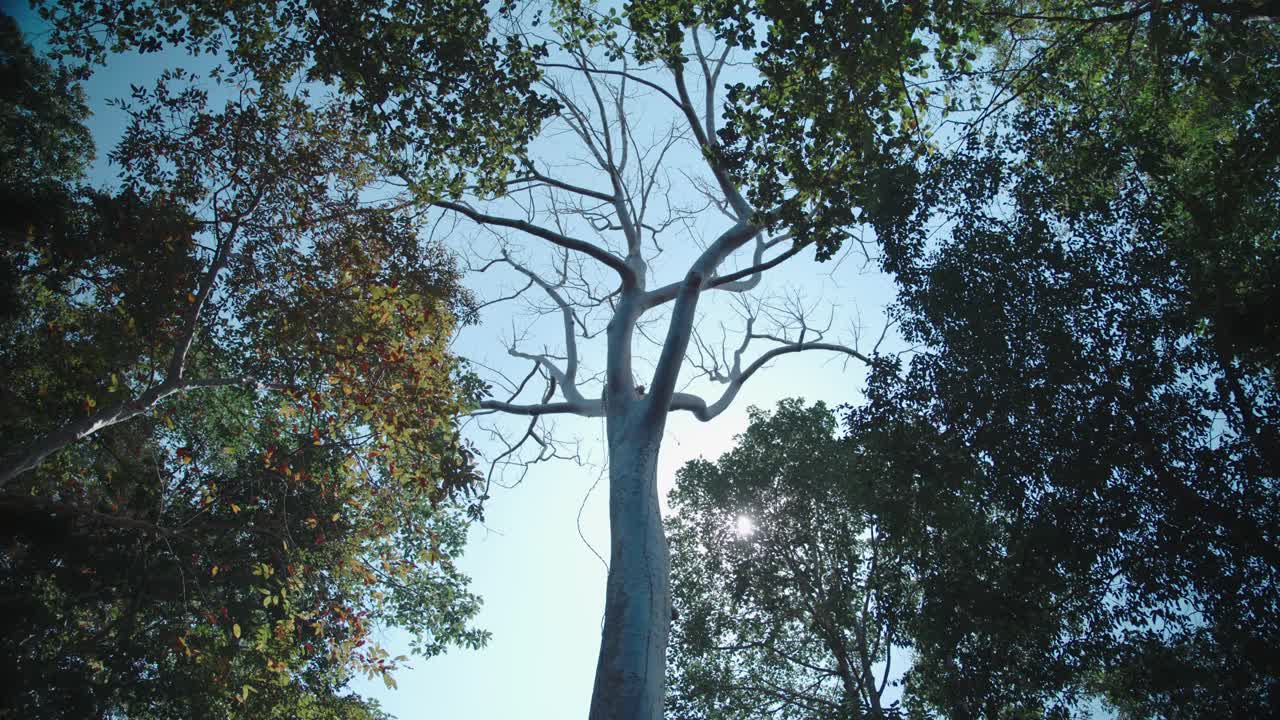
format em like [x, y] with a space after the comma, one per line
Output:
[630, 672]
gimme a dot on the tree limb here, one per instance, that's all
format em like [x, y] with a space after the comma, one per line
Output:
[555, 238]
[704, 412]
[35, 453]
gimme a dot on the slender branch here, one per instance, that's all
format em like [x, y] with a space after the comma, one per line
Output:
[178, 363]
[707, 146]
[622, 73]
[750, 276]
[534, 175]
[614, 167]
[35, 453]
[555, 238]
[704, 412]
[588, 408]
[569, 377]
[738, 281]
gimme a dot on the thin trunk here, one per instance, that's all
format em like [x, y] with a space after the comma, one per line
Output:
[33, 455]
[630, 672]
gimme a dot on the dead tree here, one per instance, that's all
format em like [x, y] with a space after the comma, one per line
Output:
[585, 247]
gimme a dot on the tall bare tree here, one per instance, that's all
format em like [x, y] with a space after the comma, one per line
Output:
[587, 247]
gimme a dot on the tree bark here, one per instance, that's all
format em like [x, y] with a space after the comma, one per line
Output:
[630, 672]
[33, 455]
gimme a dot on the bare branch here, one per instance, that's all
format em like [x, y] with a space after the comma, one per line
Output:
[534, 175]
[748, 278]
[555, 238]
[568, 378]
[589, 408]
[737, 281]
[622, 73]
[707, 146]
[704, 412]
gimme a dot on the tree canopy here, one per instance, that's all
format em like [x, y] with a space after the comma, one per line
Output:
[231, 451]
[445, 96]
[1072, 469]
[1078, 457]
[787, 605]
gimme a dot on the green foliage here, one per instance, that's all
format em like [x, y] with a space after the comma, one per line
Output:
[42, 144]
[1184, 101]
[1098, 338]
[235, 546]
[1070, 489]
[842, 105]
[1077, 470]
[442, 92]
[785, 595]
[41, 115]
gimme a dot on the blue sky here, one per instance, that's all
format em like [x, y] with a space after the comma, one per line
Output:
[543, 585]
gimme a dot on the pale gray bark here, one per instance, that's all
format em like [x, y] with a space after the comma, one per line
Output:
[31, 456]
[637, 623]
[630, 670]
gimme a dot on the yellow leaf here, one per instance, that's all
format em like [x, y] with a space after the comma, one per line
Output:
[235, 508]
[214, 571]
[191, 298]
[235, 630]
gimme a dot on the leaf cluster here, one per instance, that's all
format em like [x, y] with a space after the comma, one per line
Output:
[417, 75]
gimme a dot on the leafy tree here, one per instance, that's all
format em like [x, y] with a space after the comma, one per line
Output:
[855, 590]
[787, 604]
[445, 96]
[43, 142]
[231, 450]
[1097, 331]
[1081, 456]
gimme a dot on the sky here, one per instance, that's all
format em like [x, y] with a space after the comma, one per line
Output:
[535, 560]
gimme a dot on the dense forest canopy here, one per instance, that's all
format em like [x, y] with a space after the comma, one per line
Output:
[231, 410]
[1075, 469]
[234, 448]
